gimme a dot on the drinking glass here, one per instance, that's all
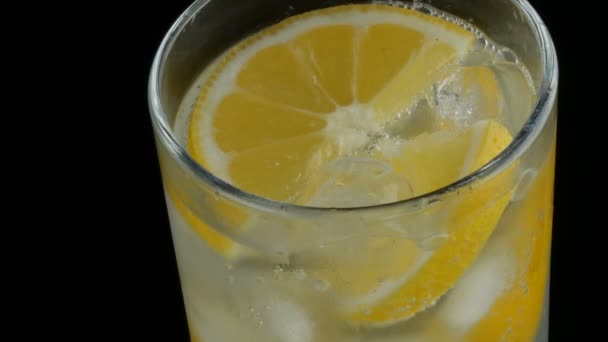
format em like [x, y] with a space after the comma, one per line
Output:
[254, 269]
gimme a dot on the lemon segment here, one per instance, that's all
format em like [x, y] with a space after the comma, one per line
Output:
[329, 52]
[276, 74]
[384, 50]
[264, 123]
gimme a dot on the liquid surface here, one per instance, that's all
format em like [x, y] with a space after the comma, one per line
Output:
[304, 122]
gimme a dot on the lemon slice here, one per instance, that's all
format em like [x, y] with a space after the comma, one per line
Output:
[220, 213]
[516, 313]
[461, 227]
[314, 87]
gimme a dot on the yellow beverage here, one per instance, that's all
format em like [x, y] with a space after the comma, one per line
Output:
[354, 106]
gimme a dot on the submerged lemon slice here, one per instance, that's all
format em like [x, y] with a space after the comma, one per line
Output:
[316, 87]
[461, 228]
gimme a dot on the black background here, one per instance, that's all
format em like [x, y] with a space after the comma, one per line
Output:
[127, 273]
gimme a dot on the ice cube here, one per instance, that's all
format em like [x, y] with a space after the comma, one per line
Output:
[358, 181]
[418, 119]
[519, 96]
[289, 321]
[524, 183]
[475, 293]
[472, 93]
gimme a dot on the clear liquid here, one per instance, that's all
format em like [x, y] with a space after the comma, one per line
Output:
[285, 297]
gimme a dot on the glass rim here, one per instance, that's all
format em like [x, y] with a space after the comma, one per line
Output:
[523, 139]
